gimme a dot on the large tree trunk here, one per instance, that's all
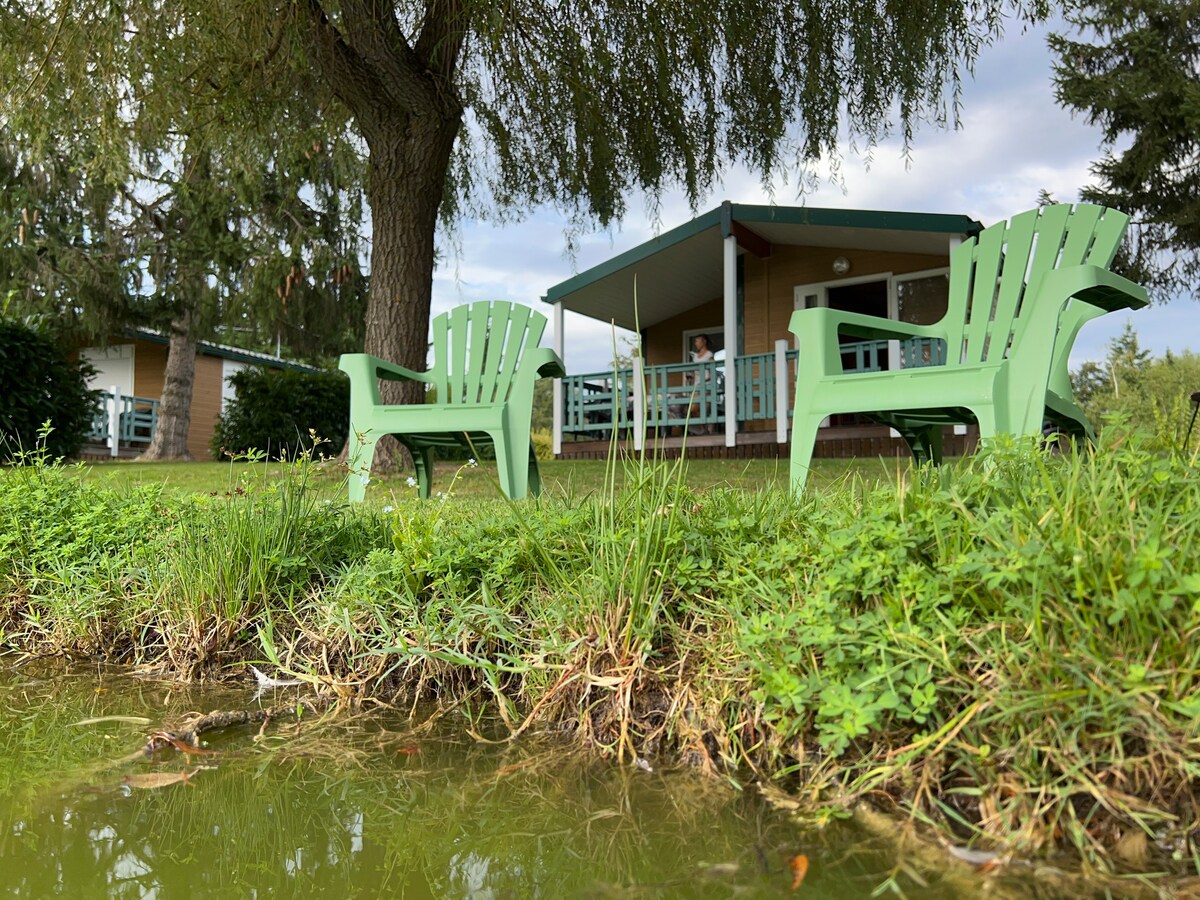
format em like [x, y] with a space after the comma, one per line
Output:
[407, 108]
[175, 408]
[407, 179]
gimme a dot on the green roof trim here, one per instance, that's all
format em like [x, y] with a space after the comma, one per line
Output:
[943, 223]
[224, 351]
[728, 213]
[637, 254]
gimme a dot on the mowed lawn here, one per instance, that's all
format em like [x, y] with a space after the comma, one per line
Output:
[564, 477]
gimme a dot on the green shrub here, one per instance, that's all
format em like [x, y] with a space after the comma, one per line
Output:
[39, 384]
[278, 412]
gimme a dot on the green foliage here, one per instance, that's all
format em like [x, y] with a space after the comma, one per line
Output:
[281, 413]
[193, 161]
[1133, 387]
[192, 187]
[1133, 73]
[39, 384]
[235, 557]
[82, 564]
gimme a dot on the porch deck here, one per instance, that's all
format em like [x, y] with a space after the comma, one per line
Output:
[636, 408]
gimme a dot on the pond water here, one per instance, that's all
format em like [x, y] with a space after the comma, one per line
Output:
[371, 805]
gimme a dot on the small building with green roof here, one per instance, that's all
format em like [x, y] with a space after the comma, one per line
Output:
[736, 274]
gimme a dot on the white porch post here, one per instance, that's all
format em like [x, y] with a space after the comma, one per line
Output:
[114, 421]
[782, 394]
[639, 403]
[559, 344]
[731, 341]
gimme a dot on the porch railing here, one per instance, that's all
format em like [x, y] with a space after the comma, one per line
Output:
[694, 393]
[124, 421]
[596, 403]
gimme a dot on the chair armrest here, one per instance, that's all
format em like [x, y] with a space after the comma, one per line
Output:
[1095, 285]
[363, 365]
[365, 371]
[546, 363]
[817, 333]
[840, 321]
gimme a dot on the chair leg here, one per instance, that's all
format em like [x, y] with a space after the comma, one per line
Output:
[533, 475]
[804, 438]
[362, 454]
[925, 444]
[423, 462]
[514, 479]
[986, 417]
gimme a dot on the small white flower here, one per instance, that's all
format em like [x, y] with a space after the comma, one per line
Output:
[412, 482]
[472, 463]
[365, 479]
[388, 509]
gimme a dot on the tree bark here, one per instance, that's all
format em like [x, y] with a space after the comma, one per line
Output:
[175, 408]
[407, 108]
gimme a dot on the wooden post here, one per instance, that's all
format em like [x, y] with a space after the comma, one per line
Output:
[114, 422]
[559, 342]
[782, 394]
[731, 340]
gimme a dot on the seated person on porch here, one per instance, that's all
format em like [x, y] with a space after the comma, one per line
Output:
[701, 353]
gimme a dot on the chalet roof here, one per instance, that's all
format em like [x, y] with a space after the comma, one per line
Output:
[225, 351]
[683, 267]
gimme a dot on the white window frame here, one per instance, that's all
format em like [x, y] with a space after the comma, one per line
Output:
[820, 290]
[692, 332]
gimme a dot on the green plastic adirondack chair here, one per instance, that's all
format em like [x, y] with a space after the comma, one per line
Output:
[1019, 293]
[486, 362]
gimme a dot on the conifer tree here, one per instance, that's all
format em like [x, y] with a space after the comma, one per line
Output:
[1134, 70]
[159, 173]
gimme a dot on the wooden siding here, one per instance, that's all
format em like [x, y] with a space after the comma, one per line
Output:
[149, 367]
[769, 295]
[206, 406]
[770, 283]
[664, 341]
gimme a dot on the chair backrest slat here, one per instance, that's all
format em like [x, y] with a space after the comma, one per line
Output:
[1018, 242]
[988, 249]
[474, 371]
[477, 349]
[440, 372]
[520, 335]
[1080, 231]
[992, 273]
[1109, 232]
[962, 267]
[497, 340]
[456, 370]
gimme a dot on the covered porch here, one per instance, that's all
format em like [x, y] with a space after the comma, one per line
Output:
[736, 274]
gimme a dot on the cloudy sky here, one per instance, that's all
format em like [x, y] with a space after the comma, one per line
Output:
[1013, 141]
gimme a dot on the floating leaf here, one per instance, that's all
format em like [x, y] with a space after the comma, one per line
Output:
[149, 781]
[128, 720]
[799, 866]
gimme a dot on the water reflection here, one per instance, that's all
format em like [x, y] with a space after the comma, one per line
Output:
[345, 809]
